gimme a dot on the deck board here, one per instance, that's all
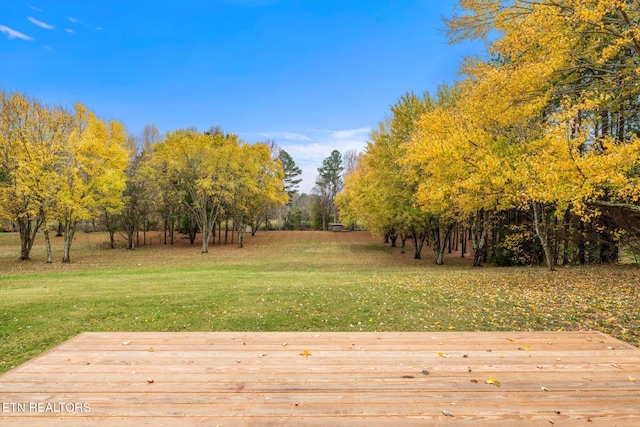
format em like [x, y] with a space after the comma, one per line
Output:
[364, 378]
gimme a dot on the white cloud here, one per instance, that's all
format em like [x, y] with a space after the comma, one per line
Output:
[72, 20]
[13, 34]
[68, 30]
[350, 133]
[35, 8]
[309, 149]
[278, 136]
[40, 24]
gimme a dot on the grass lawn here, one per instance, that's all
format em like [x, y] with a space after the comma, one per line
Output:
[292, 281]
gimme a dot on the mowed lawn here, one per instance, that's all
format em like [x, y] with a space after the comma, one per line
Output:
[293, 281]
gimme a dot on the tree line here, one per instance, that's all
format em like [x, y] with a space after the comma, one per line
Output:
[534, 154]
[70, 166]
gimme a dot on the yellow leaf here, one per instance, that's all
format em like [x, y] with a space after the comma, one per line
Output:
[305, 353]
[493, 381]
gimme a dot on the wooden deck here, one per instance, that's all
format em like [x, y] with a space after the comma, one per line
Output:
[324, 379]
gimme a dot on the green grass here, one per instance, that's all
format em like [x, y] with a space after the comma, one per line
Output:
[293, 281]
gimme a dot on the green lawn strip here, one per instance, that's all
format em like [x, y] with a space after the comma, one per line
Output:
[317, 286]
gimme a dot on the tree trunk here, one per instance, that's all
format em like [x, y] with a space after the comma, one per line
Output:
[69, 231]
[60, 232]
[193, 230]
[418, 242]
[28, 229]
[565, 238]
[403, 241]
[166, 225]
[541, 227]
[456, 238]
[206, 234]
[479, 236]
[241, 237]
[463, 242]
[48, 244]
[440, 243]
[24, 226]
[131, 242]
[393, 237]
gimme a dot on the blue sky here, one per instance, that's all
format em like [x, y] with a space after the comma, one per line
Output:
[313, 75]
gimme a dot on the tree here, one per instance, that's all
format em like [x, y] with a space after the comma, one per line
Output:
[259, 186]
[328, 184]
[137, 195]
[380, 192]
[32, 153]
[557, 94]
[93, 177]
[201, 168]
[150, 135]
[350, 158]
[291, 173]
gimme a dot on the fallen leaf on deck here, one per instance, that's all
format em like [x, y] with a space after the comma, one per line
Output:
[441, 354]
[305, 353]
[447, 413]
[524, 348]
[126, 342]
[150, 381]
[493, 381]
[425, 372]
[544, 388]
[151, 349]
[632, 379]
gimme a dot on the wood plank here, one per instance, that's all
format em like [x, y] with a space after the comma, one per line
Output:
[252, 378]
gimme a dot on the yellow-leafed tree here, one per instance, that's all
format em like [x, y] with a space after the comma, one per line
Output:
[33, 140]
[202, 169]
[93, 177]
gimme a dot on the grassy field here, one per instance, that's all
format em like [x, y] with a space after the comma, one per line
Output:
[292, 281]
